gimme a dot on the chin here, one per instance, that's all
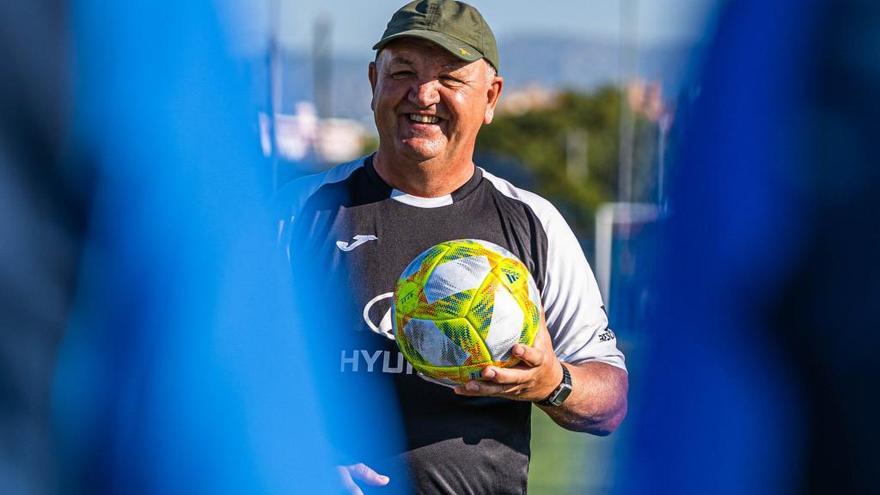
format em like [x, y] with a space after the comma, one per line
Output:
[422, 152]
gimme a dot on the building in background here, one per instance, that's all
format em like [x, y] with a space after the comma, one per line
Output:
[304, 137]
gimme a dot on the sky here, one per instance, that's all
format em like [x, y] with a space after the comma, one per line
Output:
[358, 24]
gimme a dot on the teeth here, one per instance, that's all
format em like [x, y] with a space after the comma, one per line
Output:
[424, 119]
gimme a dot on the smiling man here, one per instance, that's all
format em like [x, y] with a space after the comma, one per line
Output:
[350, 231]
[429, 106]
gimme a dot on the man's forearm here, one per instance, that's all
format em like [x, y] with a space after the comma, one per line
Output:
[597, 403]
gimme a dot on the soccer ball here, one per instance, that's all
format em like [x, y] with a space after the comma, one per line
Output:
[461, 306]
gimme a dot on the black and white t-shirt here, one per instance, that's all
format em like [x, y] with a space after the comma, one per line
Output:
[349, 235]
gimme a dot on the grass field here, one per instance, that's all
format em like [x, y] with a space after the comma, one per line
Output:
[565, 462]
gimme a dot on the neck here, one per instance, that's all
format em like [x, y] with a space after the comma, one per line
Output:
[426, 179]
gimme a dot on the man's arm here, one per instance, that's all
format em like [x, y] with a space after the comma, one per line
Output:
[597, 403]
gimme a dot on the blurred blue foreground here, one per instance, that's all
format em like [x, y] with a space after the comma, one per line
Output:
[142, 284]
[761, 376]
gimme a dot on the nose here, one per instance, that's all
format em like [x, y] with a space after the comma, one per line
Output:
[424, 93]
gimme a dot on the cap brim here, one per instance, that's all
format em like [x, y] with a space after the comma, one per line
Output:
[454, 46]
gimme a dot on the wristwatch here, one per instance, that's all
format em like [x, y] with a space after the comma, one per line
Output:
[558, 396]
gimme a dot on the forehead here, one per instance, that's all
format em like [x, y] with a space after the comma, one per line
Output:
[417, 50]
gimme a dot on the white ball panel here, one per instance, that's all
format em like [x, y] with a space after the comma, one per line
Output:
[506, 325]
[456, 276]
[437, 348]
[534, 295]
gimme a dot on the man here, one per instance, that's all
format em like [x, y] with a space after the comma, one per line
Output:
[352, 230]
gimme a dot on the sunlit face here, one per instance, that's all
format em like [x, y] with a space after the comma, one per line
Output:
[429, 104]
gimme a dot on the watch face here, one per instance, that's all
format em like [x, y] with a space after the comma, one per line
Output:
[564, 392]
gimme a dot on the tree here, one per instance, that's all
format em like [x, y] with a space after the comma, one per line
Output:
[537, 139]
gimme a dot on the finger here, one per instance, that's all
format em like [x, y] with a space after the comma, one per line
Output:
[471, 388]
[531, 356]
[348, 483]
[468, 390]
[508, 376]
[476, 388]
[542, 337]
[362, 472]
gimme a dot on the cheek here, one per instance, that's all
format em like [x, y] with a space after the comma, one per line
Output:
[470, 112]
[388, 101]
[460, 100]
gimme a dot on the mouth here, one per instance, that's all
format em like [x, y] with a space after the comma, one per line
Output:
[423, 119]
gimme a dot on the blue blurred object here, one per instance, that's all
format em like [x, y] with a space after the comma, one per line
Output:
[181, 371]
[139, 263]
[41, 229]
[759, 377]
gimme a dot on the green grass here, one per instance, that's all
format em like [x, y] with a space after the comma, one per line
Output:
[565, 462]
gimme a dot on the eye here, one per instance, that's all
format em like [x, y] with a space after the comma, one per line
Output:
[401, 74]
[449, 80]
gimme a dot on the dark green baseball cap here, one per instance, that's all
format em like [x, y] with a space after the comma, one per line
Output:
[456, 26]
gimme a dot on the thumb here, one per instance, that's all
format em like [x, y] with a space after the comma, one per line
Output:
[535, 355]
[531, 356]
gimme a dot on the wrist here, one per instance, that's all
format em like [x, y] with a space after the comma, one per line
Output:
[557, 377]
[561, 390]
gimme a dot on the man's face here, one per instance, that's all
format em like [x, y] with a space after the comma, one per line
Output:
[428, 103]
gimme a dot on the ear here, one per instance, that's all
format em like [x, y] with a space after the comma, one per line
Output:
[493, 94]
[373, 75]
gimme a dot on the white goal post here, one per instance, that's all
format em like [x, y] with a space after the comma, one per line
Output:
[608, 216]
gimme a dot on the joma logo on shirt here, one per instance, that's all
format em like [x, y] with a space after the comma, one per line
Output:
[358, 240]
